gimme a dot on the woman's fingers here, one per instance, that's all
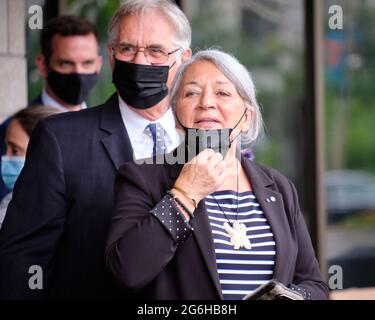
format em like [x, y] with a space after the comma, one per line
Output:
[203, 174]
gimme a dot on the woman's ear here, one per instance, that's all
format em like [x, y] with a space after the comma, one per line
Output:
[248, 119]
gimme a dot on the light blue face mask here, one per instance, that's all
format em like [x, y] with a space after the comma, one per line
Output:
[10, 170]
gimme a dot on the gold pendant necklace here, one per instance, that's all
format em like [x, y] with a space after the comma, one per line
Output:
[236, 230]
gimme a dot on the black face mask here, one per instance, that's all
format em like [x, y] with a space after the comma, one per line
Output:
[72, 88]
[140, 86]
[196, 140]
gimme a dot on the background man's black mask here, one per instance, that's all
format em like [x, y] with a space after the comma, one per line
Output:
[72, 88]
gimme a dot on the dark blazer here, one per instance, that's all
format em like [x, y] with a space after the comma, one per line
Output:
[145, 258]
[62, 204]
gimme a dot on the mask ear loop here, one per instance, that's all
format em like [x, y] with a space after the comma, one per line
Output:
[172, 65]
[179, 58]
[238, 122]
[113, 53]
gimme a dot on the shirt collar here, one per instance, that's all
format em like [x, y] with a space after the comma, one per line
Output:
[48, 100]
[136, 124]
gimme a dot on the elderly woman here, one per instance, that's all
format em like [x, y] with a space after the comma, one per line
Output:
[218, 226]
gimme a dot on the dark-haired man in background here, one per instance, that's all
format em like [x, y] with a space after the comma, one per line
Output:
[69, 63]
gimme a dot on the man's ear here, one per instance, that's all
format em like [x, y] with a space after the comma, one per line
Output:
[41, 64]
[186, 55]
[100, 63]
[110, 55]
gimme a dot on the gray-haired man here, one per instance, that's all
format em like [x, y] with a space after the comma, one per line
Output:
[63, 200]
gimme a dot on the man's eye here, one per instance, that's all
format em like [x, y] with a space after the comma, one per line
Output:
[126, 49]
[88, 63]
[156, 52]
[64, 63]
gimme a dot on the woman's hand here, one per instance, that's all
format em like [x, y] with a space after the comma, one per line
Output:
[203, 175]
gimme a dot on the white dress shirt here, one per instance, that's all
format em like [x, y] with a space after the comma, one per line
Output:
[142, 142]
[49, 101]
[3, 206]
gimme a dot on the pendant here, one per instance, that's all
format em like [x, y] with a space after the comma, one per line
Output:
[237, 235]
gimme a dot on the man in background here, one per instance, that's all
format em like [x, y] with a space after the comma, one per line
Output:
[69, 63]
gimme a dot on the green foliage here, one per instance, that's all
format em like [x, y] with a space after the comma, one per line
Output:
[357, 94]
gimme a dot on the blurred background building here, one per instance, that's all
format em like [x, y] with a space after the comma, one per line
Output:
[315, 85]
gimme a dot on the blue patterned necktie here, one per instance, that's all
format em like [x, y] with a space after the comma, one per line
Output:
[157, 133]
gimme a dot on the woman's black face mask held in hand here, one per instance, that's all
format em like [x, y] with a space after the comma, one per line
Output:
[140, 86]
[216, 139]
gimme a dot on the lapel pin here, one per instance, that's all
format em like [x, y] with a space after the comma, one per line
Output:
[271, 199]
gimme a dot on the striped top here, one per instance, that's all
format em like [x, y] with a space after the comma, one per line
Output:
[243, 270]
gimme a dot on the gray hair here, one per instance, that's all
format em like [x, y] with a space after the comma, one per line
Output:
[238, 75]
[172, 12]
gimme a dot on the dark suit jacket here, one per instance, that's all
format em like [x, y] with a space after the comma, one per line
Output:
[62, 204]
[143, 256]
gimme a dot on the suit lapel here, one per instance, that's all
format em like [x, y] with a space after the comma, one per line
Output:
[116, 141]
[264, 189]
[202, 233]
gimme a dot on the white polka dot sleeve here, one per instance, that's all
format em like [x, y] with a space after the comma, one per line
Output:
[169, 215]
[304, 292]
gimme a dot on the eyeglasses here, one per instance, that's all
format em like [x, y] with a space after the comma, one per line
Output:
[154, 55]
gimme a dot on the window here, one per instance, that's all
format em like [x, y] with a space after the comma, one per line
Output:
[349, 71]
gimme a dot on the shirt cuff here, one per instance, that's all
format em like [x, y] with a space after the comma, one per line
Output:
[167, 212]
[305, 293]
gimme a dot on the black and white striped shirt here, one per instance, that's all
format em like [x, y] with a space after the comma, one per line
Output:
[244, 270]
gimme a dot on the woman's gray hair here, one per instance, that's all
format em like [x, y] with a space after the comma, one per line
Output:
[172, 12]
[238, 75]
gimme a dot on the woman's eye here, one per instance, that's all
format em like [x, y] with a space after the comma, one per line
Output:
[223, 93]
[15, 152]
[191, 93]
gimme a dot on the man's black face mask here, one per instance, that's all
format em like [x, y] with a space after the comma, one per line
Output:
[72, 88]
[140, 86]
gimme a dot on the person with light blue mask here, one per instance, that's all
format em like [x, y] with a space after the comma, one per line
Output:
[11, 167]
[17, 139]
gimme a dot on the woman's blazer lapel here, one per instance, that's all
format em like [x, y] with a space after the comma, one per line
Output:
[273, 206]
[202, 233]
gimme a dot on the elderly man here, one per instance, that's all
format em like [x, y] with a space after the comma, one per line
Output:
[53, 237]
